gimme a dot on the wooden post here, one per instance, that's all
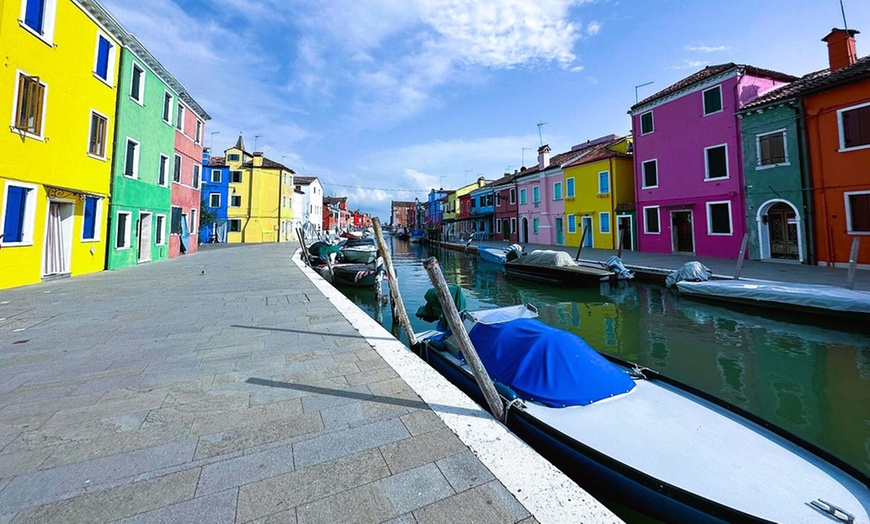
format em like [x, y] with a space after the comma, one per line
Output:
[741, 255]
[853, 262]
[580, 247]
[398, 304]
[449, 308]
[304, 249]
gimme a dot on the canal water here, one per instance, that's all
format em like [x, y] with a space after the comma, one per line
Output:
[813, 380]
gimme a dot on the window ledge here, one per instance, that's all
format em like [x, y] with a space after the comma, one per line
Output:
[90, 240]
[856, 148]
[759, 167]
[95, 157]
[28, 243]
[103, 80]
[717, 179]
[27, 134]
[720, 234]
[42, 38]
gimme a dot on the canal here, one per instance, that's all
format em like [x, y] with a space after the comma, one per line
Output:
[813, 380]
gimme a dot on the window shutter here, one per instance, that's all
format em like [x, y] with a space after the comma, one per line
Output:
[764, 145]
[90, 217]
[859, 206]
[103, 58]
[34, 14]
[131, 157]
[16, 203]
[862, 123]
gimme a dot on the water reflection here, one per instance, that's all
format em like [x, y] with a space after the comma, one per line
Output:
[814, 381]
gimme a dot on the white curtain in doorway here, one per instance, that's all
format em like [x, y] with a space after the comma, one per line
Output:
[55, 262]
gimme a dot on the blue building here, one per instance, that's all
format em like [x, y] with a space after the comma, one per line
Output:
[482, 212]
[215, 197]
[435, 209]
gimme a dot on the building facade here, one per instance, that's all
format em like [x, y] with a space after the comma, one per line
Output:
[215, 199]
[186, 195]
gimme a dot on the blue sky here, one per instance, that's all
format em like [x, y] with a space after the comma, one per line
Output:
[385, 99]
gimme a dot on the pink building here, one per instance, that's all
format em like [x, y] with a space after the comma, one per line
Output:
[688, 163]
[187, 176]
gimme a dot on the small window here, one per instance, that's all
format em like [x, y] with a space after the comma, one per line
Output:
[235, 200]
[160, 230]
[498, 200]
[214, 200]
[536, 194]
[196, 176]
[719, 218]
[39, 16]
[535, 225]
[523, 199]
[604, 223]
[97, 142]
[175, 224]
[30, 105]
[854, 126]
[179, 118]
[194, 223]
[771, 149]
[712, 100]
[167, 107]
[572, 223]
[90, 219]
[513, 226]
[513, 196]
[569, 187]
[163, 174]
[216, 176]
[105, 58]
[233, 157]
[646, 123]
[19, 212]
[858, 212]
[176, 169]
[198, 137]
[137, 83]
[235, 225]
[716, 162]
[557, 191]
[651, 220]
[131, 162]
[604, 182]
[236, 177]
[650, 170]
[122, 231]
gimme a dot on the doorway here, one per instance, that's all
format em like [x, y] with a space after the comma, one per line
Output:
[586, 231]
[144, 232]
[626, 232]
[560, 234]
[57, 252]
[682, 236]
[783, 231]
[524, 230]
[506, 229]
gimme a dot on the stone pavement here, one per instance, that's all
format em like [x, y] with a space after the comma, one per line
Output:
[226, 386]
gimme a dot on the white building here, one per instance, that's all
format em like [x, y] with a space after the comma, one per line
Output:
[308, 205]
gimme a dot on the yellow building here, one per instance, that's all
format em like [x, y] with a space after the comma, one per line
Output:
[57, 92]
[599, 196]
[452, 211]
[260, 198]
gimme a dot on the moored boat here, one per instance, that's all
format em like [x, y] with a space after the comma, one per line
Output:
[358, 250]
[500, 255]
[557, 267]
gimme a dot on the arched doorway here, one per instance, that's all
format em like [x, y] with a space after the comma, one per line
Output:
[524, 230]
[779, 231]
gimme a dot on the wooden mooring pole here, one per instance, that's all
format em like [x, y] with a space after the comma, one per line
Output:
[398, 304]
[741, 255]
[304, 247]
[853, 262]
[449, 308]
[582, 239]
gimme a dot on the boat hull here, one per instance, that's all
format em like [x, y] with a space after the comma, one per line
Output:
[494, 255]
[578, 276]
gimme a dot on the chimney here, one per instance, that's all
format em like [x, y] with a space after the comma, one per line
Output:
[258, 159]
[543, 157]
[841, 48]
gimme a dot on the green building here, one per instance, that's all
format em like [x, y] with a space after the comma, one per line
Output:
[143, 160]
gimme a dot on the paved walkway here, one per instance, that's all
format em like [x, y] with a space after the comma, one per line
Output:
[231, 386]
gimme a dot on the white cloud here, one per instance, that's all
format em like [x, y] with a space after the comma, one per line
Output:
[576, 69]
[706, 48]
[690, 64]
[593, 28]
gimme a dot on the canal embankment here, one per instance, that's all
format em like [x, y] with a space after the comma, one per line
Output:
[235, 386]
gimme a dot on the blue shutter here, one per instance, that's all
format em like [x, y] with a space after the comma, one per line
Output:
[90, 218]
[34, 15]
[16, 204]
[103, 58]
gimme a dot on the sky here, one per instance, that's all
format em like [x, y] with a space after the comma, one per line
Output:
[384, 100]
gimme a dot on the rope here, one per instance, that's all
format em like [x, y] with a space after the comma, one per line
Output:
[508, 407]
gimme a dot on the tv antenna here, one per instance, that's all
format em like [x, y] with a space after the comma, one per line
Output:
[540, 135]
[641, 85]
[524, 154]
[256, 137]
[843, 11]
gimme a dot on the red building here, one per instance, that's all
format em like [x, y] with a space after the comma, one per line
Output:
[506, 209]
[187, 176]
[336, 217]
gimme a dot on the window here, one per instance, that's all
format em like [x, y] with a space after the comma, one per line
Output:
[712, 100]
[176, 169]
[858, 212]
[175, 221]
[650, 171]
[651, 220]
[179, 118]
[131, 162]
[235, 200]
[97, 143]
[214, 200]
[216, 176]
[194, 224]
[163, 174]
[604, 223]
[39, 17]
[122, 230]
[854, 124]
[167, 107]
[646, 123]
[719, 218]
[513, 226]
[569, 187]
[137, 83]
[196, 175]
[498, 226]
[159, 232]
[30, 104]
[233, 157]
[498, 200]
[557, 191]
[105, 58]
[572, 223]
[236, 177]
[513, 196]
[771, 149]
[536, 194]
[716, 162]
[604, 182]
[235, 225]
[523, 199]
[535, 225]
[198, 137]
[19, 212]
[91, 218]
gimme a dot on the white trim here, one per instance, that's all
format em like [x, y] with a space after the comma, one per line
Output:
[171, 108]
[127, 235]
[572, 218]
[574, 188]
[513, 225]
[231, 201]
[591, 237]
[607, 174]
[196, 181]
[646, 222]
[707, 164]
[561, 196]
[524, 197]
[840, 112]
[601, 215]
[161, 166]
[176, 165]
[110, 60]
[29, 214]
[136, 152]
[710, 219]
[764, 228]
[704, 103]
[652, 122]
[674, 231]
[758, 165]
[643, 173]
[98, 212]
[48, 22]
[513, 195]
[179, 117]
[141, 94]
[193, 229]
[846, 196]
[536, 199]
[220, 176]
[12, 124]
[105, 135]
[230, 225]
[161, 240]
[211, 201]
[630, 231]
[199, 127]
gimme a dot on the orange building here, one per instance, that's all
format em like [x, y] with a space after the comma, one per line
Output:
[837, 112]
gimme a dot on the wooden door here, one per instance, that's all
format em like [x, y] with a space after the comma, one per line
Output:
[782, 226]
[681, 229]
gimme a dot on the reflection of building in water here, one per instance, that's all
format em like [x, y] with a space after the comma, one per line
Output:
[845, 378]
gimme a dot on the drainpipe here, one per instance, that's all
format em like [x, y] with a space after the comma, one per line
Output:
[613, 218]
[823, 195]
[280, 194]
[806, 182]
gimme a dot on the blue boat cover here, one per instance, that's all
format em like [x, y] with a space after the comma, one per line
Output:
[547, 365]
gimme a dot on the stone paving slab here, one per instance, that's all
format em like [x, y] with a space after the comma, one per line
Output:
[226, 386]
